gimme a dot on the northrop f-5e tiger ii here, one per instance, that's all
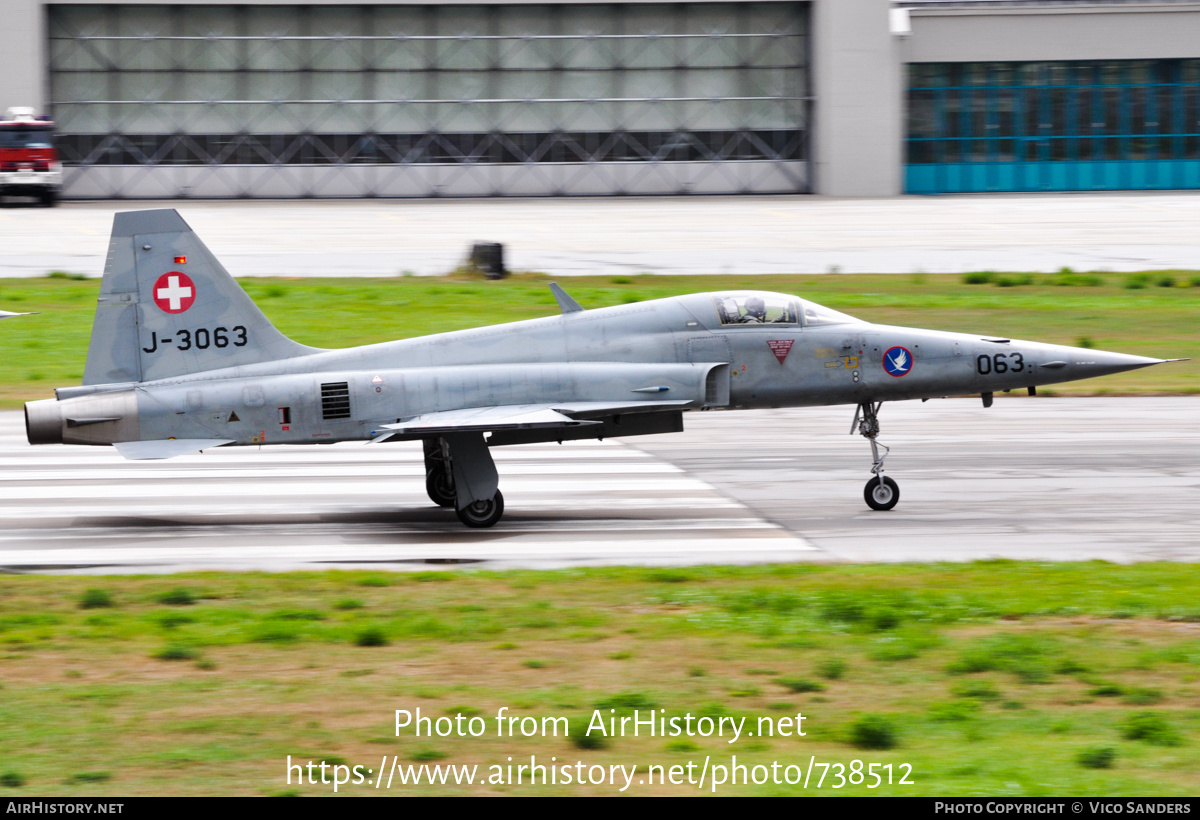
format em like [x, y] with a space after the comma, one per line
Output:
[182, 360]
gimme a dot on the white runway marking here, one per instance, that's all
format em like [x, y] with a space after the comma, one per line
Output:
[86, 509]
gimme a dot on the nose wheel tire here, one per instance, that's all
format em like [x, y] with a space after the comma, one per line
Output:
[883, 496]
[439, 487]
[482, 514]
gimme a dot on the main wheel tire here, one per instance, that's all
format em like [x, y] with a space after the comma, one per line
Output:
[483, 514]
[883, 497]
[48, 198]
[439, 487]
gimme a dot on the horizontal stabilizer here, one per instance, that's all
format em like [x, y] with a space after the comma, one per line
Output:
[167, 448]
[6, 314]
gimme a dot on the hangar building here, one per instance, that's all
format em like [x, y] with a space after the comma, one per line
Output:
[263, 98]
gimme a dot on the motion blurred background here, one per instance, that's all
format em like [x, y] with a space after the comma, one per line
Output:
[836, 97]
[990, 663]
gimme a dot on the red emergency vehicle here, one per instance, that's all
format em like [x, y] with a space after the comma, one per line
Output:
[29, 163]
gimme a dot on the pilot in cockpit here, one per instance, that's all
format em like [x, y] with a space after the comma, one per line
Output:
[756, 311]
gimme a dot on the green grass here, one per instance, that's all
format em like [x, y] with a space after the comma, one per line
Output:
[1022, 679]
[95, 599]
[176, 652]
[1148, 317]
[873, 732]
[1097, 757]
[799, 685]
[371, 636]
[177, 597]
[1152, 727]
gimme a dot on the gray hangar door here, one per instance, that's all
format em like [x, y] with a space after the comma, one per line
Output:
[417, 101]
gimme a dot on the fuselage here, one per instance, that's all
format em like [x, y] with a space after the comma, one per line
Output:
[701, 352]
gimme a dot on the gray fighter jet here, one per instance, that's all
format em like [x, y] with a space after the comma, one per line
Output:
[182, 360]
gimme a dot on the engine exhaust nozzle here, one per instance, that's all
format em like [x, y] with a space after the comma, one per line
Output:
[43, 422]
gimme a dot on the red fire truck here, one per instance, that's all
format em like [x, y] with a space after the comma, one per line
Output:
[29, 163]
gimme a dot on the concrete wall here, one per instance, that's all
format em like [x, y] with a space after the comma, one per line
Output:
[857, 71]
[858, 84]
[1132, 32]
[23, 44]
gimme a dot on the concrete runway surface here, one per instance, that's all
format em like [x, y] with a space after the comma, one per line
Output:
[704, 235]
[1045, 478]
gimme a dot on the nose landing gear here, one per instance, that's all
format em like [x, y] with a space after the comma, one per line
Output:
[881, 492]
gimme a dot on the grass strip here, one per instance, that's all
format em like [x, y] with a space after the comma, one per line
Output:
[990, 678]
[1155, 317]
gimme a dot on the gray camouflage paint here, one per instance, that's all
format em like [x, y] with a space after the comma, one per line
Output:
[139, 386]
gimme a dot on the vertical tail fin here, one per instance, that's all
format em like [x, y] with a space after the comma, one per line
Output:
[168, 308]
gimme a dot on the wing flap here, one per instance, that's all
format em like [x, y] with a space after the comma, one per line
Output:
[519, 417]
[166, 448]
[485, 419]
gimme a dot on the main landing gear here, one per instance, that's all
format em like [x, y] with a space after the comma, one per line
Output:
[460, 473]
[439, 479]
[481, 514]
[881, 492]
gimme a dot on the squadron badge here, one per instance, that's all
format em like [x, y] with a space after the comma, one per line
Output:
[897, 361]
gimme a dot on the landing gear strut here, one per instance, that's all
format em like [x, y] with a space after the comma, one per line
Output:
[881, 492]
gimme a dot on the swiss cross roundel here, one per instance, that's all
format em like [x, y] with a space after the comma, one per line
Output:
[174, 292]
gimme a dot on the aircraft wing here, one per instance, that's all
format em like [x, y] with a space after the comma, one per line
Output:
[519, 417]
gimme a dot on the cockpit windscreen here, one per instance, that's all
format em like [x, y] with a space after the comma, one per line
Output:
[757, 309]
[775, 309]
[815, 314]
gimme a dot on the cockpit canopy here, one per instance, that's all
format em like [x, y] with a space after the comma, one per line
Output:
[765, 308]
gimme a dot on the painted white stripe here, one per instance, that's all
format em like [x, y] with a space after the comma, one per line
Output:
[27, 456]
[286, 511]
[586, 503]
[593, 526]
[154, 489]
[294, 472]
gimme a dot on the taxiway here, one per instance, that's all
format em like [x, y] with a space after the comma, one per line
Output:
[674, 235]
[1044, 479]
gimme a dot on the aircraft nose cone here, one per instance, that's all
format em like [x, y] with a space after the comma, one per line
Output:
[1082, 363]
